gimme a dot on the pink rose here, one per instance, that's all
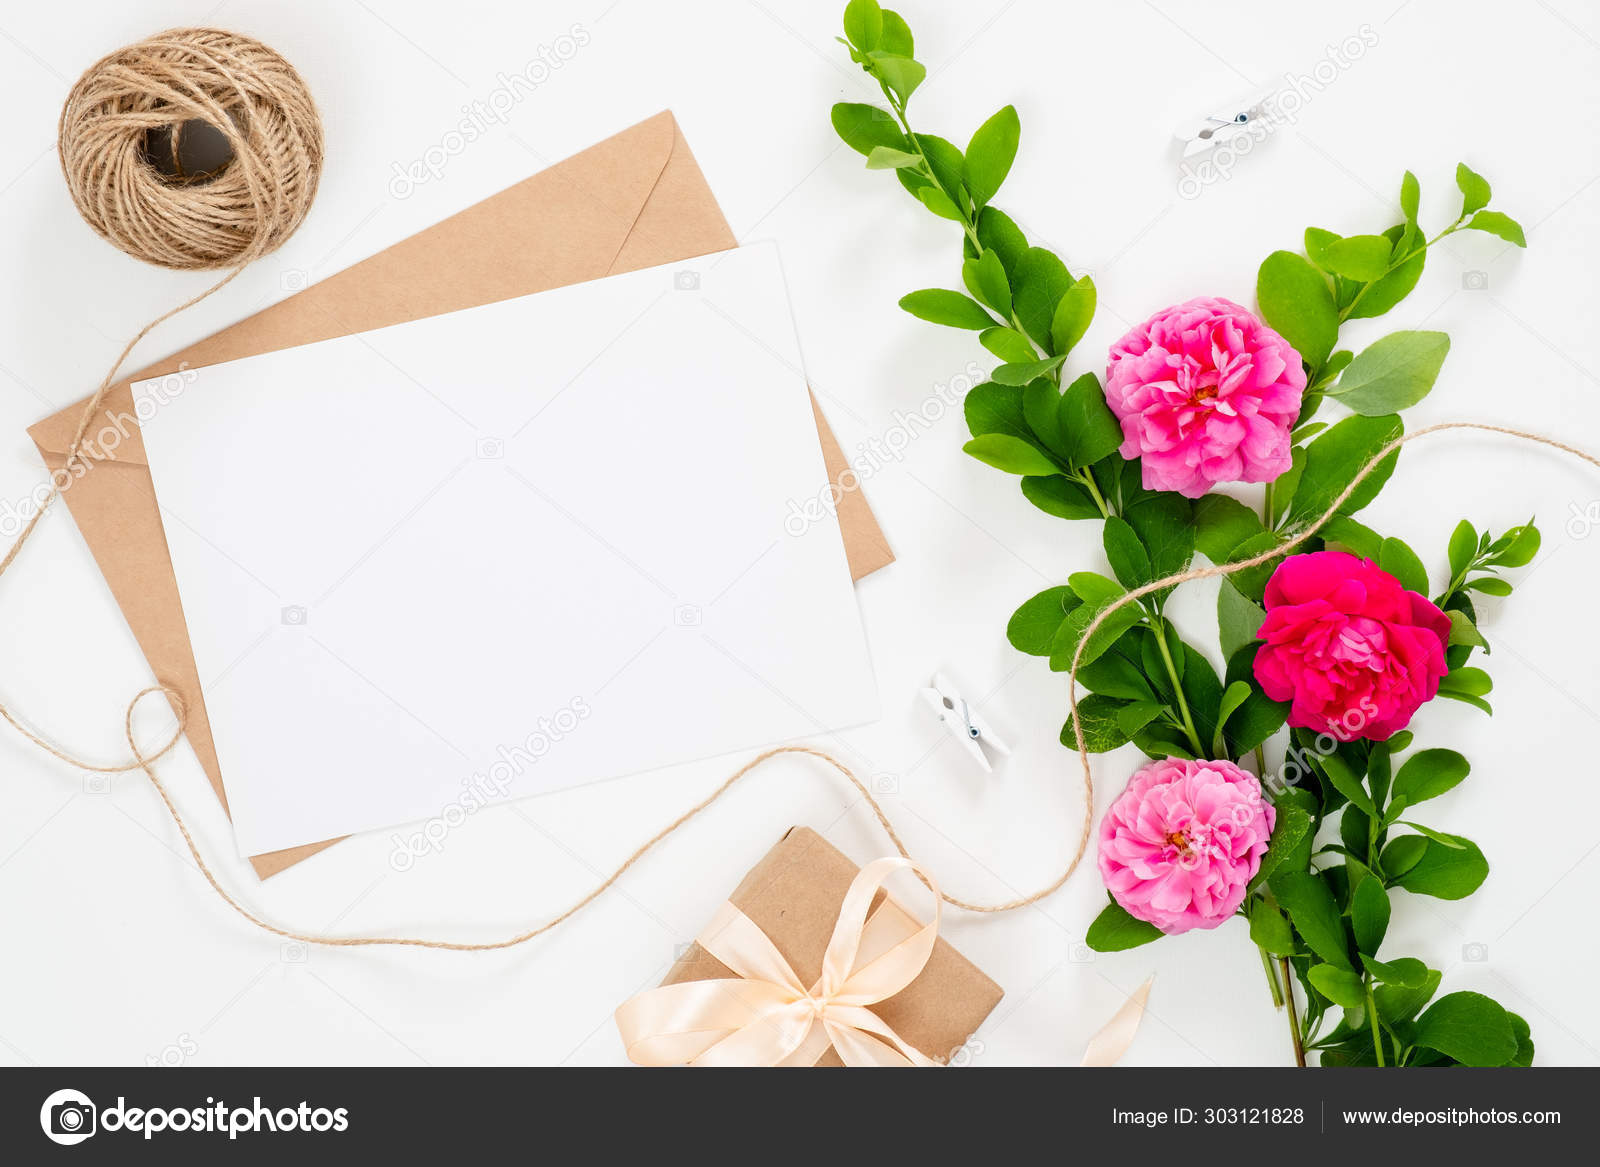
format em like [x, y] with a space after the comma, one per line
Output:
[1180, 844]
[1354, 651]
[1205, 393]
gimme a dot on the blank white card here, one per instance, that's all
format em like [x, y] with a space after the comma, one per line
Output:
[508, 550]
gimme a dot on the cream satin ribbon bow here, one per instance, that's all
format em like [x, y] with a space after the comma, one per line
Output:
[766, 1016]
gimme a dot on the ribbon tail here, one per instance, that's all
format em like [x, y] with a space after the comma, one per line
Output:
[1107, 1047]
[863, 1039]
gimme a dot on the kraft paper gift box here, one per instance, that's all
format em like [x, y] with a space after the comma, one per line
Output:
[794, 894]
[636, 200]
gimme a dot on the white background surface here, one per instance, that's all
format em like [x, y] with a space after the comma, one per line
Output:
[115, 950]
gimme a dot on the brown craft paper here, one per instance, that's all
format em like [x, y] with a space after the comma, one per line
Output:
[793, 895]
[636, 200]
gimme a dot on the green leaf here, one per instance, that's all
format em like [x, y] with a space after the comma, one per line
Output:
[1498, 225]
[1078, 621]
[1233, 697]
[940, 306]
[1463, 547]
[1058, 495]
[1402, 854]
[1135, 715]
[1033, 626]
[1116, 675]
[997, 232]
[1291, 828]
[1475, 192]
[866, 127]
[1114, 930]
[1023, 372]
[1102, 731]
[901, 74]
[996, 409]
[1362, 258]
[1524, 1036]
[990, 154]
[1013, 455]
[1259, 717]
[1239, 619]
[1041, 406]
[1296, 302]
[1317, 240]
[1401, 562]
[1393, 373]
[1471, 682]
[1369, 914]
[934, 199]
[1310, 905]
[1489, 585]
[1285, 485]
[1088, 427]
[1164, 522]
[1342, 533]
[891, 158]
[1038, 282]
[1073, 313]
[1222, 523]
[1517, 547]
[1392, 288]
[1347, 782]
[1334, 459]
[1270, 930]
[985, 278]
[1009, 345]
[1428, 774]
[1443, 871]
[1464, 631]
[1130, 562]
[1410, 197]
[863, 24]
[1399, 1003]
[1473, 1029]
[1341, 986]
[1407, 972]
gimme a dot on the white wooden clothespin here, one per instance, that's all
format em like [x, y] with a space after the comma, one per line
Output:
[962, 721]
[1216, 129]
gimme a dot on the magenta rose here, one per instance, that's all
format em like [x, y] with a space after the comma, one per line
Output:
[1353, 650]
[1205, 393]
[1179, 846]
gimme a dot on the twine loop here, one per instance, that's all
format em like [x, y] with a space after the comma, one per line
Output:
[223, 218]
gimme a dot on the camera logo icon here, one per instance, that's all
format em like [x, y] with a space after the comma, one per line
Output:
[1475, 281]
[294, 279]
[67, 1117]
[1080, 953]
[686, 281]
[490, 448]
[886, 784]
[294, 614]
[294, 952]
[97, 784]
[1475, 952]
[686, 616]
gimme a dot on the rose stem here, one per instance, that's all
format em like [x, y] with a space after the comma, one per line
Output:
[1272, 978]
[1294, 1013]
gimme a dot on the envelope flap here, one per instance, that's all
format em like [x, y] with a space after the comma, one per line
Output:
[592, 207]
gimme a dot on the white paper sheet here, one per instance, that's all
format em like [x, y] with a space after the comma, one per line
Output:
[507, 550]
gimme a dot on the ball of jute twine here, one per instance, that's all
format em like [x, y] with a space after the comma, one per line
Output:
[235, 84]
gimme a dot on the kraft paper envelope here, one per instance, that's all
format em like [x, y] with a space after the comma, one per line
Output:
[636, 200]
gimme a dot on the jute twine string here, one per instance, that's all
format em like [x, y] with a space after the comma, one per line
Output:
[233, 217]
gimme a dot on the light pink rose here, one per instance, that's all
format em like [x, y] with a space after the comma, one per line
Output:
[1355, 652]
[1180, 844]
[1205, 393]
